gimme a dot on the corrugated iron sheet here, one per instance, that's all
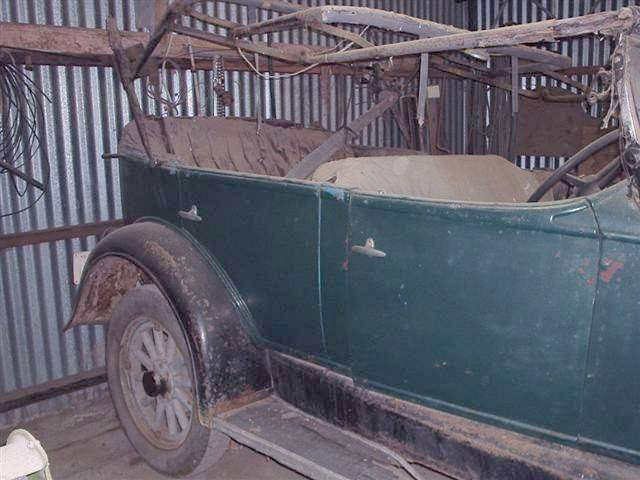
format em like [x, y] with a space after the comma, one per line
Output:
[87, 110]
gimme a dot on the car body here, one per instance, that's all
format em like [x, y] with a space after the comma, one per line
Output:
[519, 315]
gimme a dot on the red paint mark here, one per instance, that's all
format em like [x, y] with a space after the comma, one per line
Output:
[612, 267]
[591, 281]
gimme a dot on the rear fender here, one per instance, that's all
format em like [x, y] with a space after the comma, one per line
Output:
[228, 363]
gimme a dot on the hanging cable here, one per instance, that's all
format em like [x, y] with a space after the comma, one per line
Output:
[170, 101]
[305, 69]
[20, 118]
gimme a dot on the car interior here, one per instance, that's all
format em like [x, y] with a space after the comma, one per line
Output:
[274, 147]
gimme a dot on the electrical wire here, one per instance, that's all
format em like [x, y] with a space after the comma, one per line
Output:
[303, 70]
[20, 117]
[275, 77]
[164, 96]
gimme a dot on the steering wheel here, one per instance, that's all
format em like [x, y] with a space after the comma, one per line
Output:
[590, 183]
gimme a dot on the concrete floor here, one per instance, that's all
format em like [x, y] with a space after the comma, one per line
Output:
[86, 442]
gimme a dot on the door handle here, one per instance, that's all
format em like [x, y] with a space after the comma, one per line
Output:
[368, 249]
[191, 215]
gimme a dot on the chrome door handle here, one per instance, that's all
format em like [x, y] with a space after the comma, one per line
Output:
[191, 215]
[368, 249]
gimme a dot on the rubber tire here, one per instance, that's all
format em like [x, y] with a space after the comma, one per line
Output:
[189, 457]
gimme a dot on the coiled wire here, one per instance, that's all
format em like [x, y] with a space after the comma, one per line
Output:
[21, 116]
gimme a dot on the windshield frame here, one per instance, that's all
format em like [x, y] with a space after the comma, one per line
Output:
[626, 67]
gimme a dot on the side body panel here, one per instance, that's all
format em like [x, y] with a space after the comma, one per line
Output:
[612, 389]
[334, 248]
[265, 234]
[479, 309]
[159, 197]
[485, 311]
[268, 235]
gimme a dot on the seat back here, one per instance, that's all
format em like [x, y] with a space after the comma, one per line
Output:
[477, 178]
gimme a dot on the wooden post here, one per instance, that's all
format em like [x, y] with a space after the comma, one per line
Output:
[126, 77]
[325, 96]
[423, 132]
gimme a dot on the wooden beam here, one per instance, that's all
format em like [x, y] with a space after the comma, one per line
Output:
[291, 21]
[209, 20]
[55, 45]
[123, 67]
[75, 46]
[169, 14]
[237, 28]
[549, 30]
[45, 391]
[55, 234]
[401, 23]
[278, 53]
[316, 16]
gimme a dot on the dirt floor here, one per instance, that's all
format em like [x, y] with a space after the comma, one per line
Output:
[86, 442]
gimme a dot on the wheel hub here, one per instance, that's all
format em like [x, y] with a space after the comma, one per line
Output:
[153, 385]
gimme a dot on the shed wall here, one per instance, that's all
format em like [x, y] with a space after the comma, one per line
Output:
[87, 110]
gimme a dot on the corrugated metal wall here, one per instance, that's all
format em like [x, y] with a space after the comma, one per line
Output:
[583, 51]
[87, 110]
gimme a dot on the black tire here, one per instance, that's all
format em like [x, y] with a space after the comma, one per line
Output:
[183, 452]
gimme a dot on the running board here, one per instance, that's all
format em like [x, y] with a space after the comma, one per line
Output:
[459, 447]
[312, 447]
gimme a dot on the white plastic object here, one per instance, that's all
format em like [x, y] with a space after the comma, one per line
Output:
[433, 91]
[79, 261]
[21, 456]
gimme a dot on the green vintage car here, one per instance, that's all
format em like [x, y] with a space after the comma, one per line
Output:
[377, 294]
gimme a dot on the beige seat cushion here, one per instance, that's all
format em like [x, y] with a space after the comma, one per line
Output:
[477, 178]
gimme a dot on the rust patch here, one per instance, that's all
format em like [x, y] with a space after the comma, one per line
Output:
[612, 266]
[103, 286]
[247, 397]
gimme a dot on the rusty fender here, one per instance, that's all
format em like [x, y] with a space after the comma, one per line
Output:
[228, 363]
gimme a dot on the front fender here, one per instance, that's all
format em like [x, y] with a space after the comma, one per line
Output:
[228, 364]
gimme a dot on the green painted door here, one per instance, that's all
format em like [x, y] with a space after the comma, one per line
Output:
[264, 233]
[159, 198]
[612, 389]
[479, 309]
